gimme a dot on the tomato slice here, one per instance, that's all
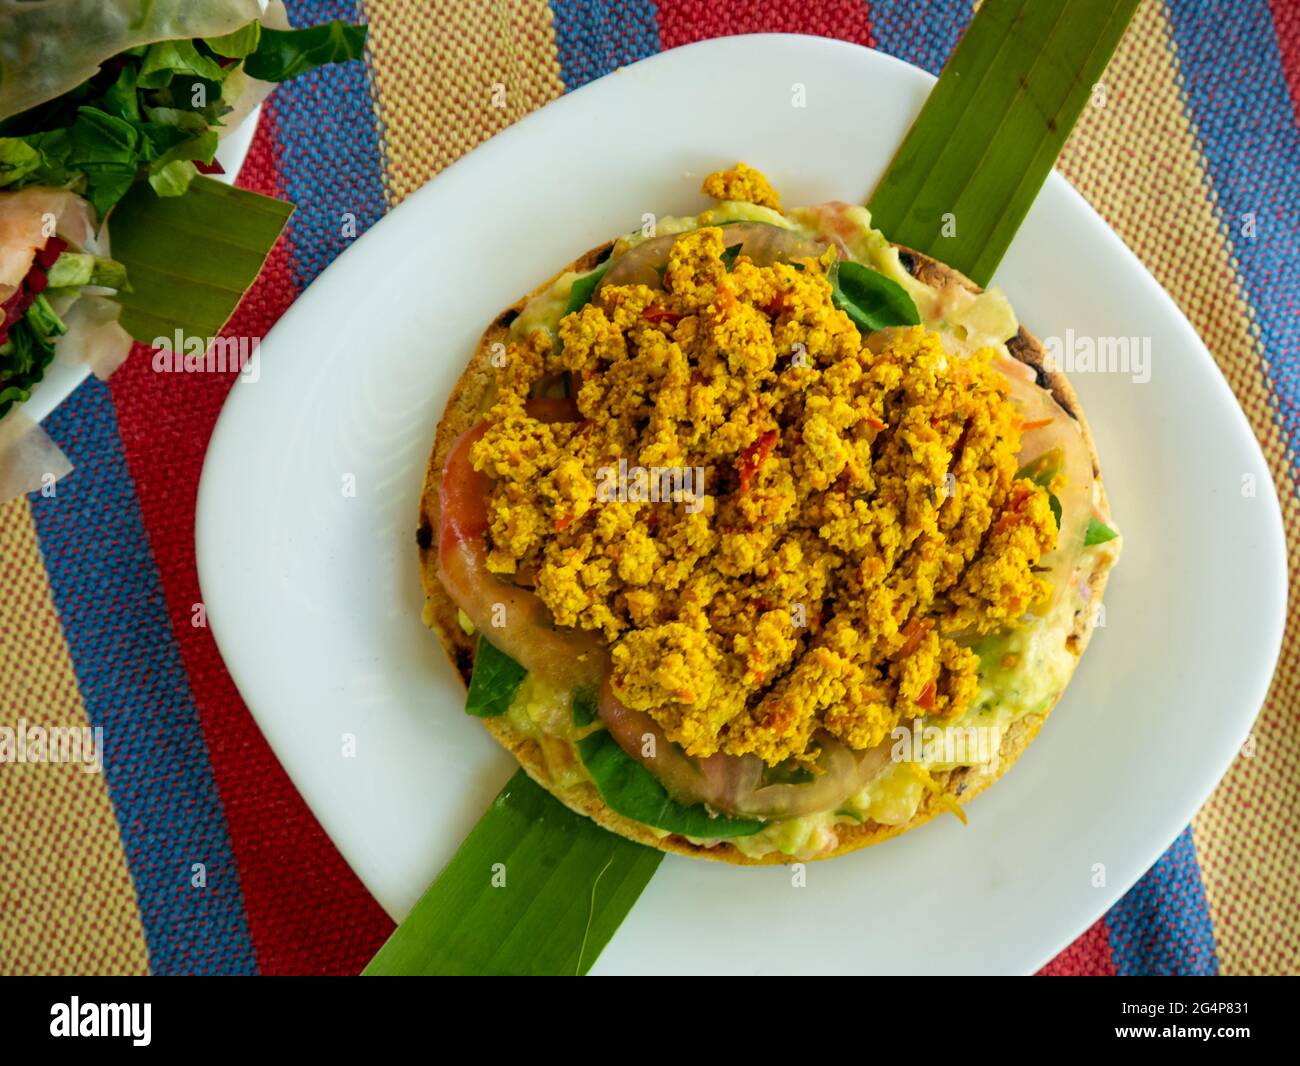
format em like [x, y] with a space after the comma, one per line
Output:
[511, 617]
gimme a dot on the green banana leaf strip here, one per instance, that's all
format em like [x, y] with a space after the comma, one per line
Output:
[535, 889]
[983, 144]
[191, 258]
[494, 682]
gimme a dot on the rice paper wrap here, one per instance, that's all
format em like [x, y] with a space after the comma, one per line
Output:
[50, 46]
[29, 459]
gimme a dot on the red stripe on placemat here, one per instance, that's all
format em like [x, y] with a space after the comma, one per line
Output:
[684, 21]
[306, 910]
[1286, 24]
[1089, 956]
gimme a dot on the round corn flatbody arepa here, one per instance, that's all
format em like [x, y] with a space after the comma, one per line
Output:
[470, 398]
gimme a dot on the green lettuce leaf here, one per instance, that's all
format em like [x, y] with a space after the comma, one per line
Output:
[284, 54]
[17, 160]
[166, 59]
[172, 179]
[74, 270]
[123, 97]
[238, 44]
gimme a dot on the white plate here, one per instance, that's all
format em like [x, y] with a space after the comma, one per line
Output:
[64, 375]
[315, 602]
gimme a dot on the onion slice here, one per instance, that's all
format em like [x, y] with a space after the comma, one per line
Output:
[763, 243]
[1057, 430]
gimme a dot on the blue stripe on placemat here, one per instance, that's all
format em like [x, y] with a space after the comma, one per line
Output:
[594, 37]
[1162, 926]
[328, 150]
[1240, 105]
[922, 34]
[109, 597]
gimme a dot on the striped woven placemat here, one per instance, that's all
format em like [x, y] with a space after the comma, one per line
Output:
[192, 853]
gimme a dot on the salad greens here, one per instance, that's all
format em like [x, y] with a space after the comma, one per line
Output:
[75, 270]
[153, 111]
[27, 352]
[284, 54]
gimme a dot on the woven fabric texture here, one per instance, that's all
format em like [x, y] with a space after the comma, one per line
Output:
[192, 853]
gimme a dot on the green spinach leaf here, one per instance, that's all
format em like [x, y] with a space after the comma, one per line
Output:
[583, 289]
[1098, 532]
[634, 792]
[870, 299]
[494, 682]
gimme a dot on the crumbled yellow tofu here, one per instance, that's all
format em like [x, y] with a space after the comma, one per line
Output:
[742, 183]
[844, 509]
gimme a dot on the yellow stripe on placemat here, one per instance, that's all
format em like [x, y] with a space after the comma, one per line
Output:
[449, 75]
[67, 904]
[1137, 160]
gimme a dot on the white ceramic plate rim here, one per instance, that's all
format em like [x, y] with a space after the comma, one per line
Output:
[238, 452]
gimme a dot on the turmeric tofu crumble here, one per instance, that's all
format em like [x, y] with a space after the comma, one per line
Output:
[859, 520]
[742, 183]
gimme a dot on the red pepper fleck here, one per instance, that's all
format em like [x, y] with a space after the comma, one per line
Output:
[926, 698]
[655, 315]
[754, 457]
[914, 633]
[208, 168]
